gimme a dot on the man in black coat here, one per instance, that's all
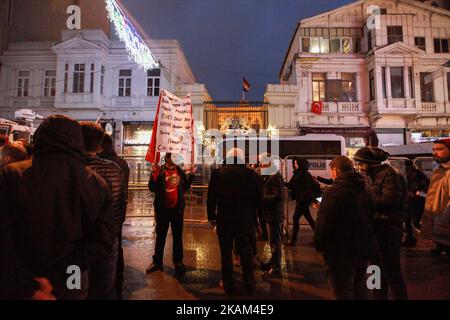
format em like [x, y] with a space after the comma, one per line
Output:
[344, 230]
[304, 190]
[102, 277]
[54, 213]
[169, 183]
[272, 210]
[108, 153]
[235, 192]
[390, 191]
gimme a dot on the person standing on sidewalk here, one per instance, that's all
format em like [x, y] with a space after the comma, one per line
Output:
[169, 183]
[390, 192]
[234, 194]
[272, 209]
[436, 218]
[102, 277]
[344, 230]
[108, 153]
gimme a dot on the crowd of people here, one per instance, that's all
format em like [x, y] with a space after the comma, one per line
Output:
[63, 202]
[360, 221]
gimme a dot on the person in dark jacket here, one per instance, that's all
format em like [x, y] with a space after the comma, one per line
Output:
[234, 193]
[54, 213]
[390, 192]
[272, 209]
[417, 183]
[169, 183]
[303, 188]
[108, 153]
[102, 277]
[344, 230]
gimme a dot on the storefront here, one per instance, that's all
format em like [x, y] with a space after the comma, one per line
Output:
[136, 137]
[418, 136]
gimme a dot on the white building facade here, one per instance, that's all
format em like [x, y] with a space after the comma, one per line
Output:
[390, 75]
[86, 76]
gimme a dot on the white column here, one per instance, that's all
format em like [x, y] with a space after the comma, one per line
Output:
[358, 89]
[406, 82]
[309, 86]
[388, 83]
[378, 86]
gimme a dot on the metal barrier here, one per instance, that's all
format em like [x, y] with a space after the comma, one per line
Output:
[196, 197]
[426, 164]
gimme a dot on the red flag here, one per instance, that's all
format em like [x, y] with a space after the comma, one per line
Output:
[245, 84]
[152, 156]
[317, 107]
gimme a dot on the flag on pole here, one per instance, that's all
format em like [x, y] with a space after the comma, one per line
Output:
[317, 107]
[173, 129]
[245, 85]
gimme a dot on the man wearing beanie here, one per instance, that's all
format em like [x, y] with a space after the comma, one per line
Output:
[436, 218]
[391, 201]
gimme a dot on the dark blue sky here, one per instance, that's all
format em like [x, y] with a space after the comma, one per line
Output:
[224, 40]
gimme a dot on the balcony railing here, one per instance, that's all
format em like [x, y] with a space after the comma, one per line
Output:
[349, 107]
[47, 101]
[344, 107]
[429, 107]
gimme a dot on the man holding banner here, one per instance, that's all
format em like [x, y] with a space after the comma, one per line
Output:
[172, 133]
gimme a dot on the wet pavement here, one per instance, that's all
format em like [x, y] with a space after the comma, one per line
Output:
[303, 276]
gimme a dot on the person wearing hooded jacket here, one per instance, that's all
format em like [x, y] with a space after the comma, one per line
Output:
[54, 213]
[303, 188]
[390, 191]
[344, 230]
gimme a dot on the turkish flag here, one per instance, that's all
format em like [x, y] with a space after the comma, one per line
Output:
[317, 107]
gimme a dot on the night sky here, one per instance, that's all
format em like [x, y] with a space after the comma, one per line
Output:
[224, 40]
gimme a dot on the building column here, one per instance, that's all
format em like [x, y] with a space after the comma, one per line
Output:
[406, 82]
[358, 89]
[379, 86]
[309, 86]
[388, 83]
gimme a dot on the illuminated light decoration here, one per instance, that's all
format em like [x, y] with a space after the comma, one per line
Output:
[136, 48]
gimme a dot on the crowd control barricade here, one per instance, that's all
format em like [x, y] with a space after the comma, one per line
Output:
[426, 164]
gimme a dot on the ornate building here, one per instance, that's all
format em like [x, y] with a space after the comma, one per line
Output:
[370, 65]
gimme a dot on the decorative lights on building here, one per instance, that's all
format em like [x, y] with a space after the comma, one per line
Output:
[135, 46]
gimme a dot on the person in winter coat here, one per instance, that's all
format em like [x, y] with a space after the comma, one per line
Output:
[436, 218]
[390, 192]
[169, 183]
[417, 183]
[234, 193]
[54, 214]
[344, 230]
[108, 153]
[272, 209]
[304, 190]
[102, 277]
